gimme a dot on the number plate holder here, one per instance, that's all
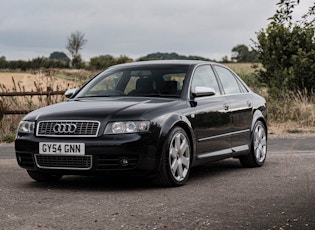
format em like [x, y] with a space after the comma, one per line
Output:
[72, 149]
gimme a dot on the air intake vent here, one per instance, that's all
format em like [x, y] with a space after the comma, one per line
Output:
[64, 162]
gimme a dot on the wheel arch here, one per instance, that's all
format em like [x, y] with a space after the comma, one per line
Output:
[253, 159]
[259, 116]
[190, 135]
[181, 121]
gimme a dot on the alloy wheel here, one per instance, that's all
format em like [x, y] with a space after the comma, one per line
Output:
[260, 143]
[179, 156]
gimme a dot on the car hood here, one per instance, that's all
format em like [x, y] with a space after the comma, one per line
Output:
[110, 108]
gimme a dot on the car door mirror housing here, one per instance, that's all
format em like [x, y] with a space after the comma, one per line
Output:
[203, 91]
[70, 92]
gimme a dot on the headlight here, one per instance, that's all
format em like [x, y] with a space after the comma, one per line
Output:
[127, 127]
[26, 127]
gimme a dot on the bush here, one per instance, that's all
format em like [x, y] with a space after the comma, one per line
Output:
[295, 107]
[288, 57]
[287, 53]
[105, 61]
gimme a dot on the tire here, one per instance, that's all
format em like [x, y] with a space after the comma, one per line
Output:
[258, 152]
[176, 159]
[43, 177]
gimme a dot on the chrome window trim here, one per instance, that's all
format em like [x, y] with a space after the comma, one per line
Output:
[223, 135]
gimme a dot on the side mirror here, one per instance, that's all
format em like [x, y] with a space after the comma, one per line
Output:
[203, 91]
[70, 92]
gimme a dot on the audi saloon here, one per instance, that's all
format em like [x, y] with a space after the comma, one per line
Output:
[155, 119]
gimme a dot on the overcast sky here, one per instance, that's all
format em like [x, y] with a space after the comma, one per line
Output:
[208, 28]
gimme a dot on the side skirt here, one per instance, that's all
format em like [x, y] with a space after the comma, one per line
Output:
[225, 153]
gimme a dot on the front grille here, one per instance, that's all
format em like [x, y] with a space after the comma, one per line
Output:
[69, 128]
[63, 162]
[114, 162]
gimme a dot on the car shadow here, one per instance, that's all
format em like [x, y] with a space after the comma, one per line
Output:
[215, 168]
[198, 174]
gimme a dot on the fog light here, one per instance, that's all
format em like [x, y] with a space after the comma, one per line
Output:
[124, 161]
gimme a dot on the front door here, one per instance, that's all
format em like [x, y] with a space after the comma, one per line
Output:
[211, 120]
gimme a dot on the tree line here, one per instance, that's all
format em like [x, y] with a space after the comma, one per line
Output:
[58, 59]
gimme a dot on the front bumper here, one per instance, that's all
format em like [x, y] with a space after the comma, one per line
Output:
[131, 154]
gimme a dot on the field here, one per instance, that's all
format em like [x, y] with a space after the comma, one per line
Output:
[32, 82]
[295, 114]
[56, 80]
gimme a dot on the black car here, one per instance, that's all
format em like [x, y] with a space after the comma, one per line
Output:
[155, 119]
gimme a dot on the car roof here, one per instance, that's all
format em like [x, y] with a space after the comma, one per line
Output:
[161, 62]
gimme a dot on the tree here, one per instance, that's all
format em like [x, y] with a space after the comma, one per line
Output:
[225, 59]
[241, 53]
[105, 61]
[3, 63]
[76, 41]
[287, 51]
[123, 59]
[61, 56]
[101, 62]
[170, 56]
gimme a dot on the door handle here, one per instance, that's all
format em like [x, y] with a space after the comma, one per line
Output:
[226, 106]
[249, 103]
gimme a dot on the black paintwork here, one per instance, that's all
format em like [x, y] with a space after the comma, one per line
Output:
[218, 126]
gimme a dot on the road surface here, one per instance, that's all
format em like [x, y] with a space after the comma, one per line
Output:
[222, 195]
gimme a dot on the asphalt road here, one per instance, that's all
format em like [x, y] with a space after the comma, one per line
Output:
[222, 195]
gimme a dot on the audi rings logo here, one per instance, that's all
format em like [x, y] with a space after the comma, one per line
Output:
[64, 128]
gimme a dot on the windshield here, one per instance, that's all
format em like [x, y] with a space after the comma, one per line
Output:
[161, 81]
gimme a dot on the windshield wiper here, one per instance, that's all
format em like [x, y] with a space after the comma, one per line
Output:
[156, 95]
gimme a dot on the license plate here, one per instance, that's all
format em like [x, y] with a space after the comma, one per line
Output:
[62, 148]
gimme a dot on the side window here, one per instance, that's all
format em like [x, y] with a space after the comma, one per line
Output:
[244, 89]
[228, 80]
[204, 76]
